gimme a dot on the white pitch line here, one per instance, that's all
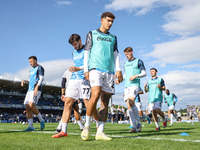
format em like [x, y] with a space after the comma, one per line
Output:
[118, 136]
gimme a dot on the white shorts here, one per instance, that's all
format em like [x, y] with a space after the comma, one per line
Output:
[171, 107]
[103, 79]
[155, 105]
[77, 89]
[131, 91]
[30, 97]
[139, 106]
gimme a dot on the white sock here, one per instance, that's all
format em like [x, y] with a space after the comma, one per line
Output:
[40, 117]
[87, 122]
[75, 121]
[101, 126]
[171, 117]
[59, 125]
[157, 124]
[136, 113]
[80, 124]
[64, 127]
[132, 118]
[96, 123]
[30, 122]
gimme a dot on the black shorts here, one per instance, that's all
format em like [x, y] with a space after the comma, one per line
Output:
[179, 118]
[191, 117]
[113, 116]
[150, 115]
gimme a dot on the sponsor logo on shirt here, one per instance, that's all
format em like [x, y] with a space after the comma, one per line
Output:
[107, 39]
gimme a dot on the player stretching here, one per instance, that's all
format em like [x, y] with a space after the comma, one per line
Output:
[138, 104]
[78, 87]
[134, 70]
[171, 100]
[155, 86]
[36, 78]
[101, 56]
[65, 80]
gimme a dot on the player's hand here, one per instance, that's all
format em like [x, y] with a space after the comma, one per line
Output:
[159, 86]
[165, 101]
[119, 77]
[24, 111]
[132, 77]
[174, 103]
[35, 91]
[86, 75]
[73, 69]
[22, 83]
[63, 98]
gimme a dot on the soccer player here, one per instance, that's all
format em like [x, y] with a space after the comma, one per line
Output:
[155, 86]
[36, 78]
[113, 110]
[171, 100]
[138, 104]
[179, 117]
[101, 57]
[134, 70]
[119, 112]
[65, 80]
[123, 113]
[78, 87]
[149, 113]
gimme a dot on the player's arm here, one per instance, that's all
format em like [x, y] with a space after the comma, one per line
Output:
[63, 87]
[142, 70]
[75, 69]
[41, 79]
[161, 86]
[146, 87]
[87, 48]
[118, 74]
[140, 91]
[165, 101]
[175, 98]
[24, 81]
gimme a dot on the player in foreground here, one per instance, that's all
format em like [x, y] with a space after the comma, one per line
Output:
[134, 70]
[65, 80]
[101, 57]
[155, 86]
[171, 100]
[77, 87]
[36, 78]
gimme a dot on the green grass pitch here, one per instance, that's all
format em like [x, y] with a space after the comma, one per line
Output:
[11, 137]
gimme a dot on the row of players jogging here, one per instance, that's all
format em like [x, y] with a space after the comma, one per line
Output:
[93, 77]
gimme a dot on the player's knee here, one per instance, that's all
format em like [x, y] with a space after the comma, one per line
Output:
[68, 104]
[31, 105]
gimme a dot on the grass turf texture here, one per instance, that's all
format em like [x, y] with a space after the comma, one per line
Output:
[11, 137]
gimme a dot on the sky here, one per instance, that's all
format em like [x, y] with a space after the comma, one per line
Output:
[165, 34]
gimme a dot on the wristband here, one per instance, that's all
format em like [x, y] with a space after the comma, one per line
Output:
[63, 93]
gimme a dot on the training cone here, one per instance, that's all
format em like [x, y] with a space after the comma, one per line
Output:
[184, 134]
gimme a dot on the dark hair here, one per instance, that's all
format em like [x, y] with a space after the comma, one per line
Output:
[128, 49]
[154, 69]
[74, 37]
[34, 57]
[108, 14]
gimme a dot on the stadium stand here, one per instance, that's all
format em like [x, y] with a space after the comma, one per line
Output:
[12, 97]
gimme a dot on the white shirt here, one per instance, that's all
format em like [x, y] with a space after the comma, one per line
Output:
[178, 114]
[148, 109]
[113, 110]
